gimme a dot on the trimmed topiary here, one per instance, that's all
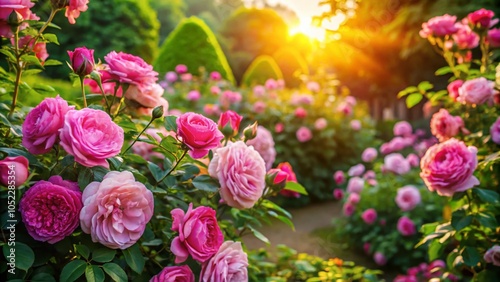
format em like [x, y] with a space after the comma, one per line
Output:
[193, 44]
[292, 64]
[261, 69]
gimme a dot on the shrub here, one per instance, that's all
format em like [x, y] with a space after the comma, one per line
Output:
[292, 64]
[193, 44]
[260, 70]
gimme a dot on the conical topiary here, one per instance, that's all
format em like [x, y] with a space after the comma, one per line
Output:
[292, 64]
[261, 69]
[193, 44]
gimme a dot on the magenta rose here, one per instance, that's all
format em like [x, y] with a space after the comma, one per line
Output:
[396, 163]
[338, 193]
[453, 88]
[369, 216]
[22, 7]
[408, 197]
[356, 170]
[193, 95]
[445, 126]
[50, 209]
[291, 177]
[448, 167]
[42, 124]
[492, 255]
[232, 120]
[494, 37]
[402, 128]
[199, 234]
[476, 91]
[353, 199]
[82, 60]
[303, 134]
[439, 26]
[482, 18]
[495, 131]
[14, 171]
[264, 144]
[406, 226]
[277, 176]
[199, 133]
[181, 69]
[465, 38]
[130, 69]
[91, 137]
[74, 8]
[215, 76]
[229, 264]
[369, 155]
[339, 177]
[174, 274]
[115, 211]
[348, 209]
[413, 160]
[241, 172]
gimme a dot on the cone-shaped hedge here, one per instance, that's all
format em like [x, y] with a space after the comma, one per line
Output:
[292, 64]
[260, 70]
[193, 44]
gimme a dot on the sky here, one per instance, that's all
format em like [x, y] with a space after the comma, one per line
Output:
[305, 9]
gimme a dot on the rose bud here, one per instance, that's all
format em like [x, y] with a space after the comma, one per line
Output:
[82, 61]
[229, 123]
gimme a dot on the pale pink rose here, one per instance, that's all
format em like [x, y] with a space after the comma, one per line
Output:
[338, 193]
[465, 38]
[199, 133]
[130, 69]
[482, 18]
[351, 100]
[264, 144]
[301, 99]
[229, 264]
[320, 123]
[494, 37]
[369, 155]
[115, 211]
[215, 76]
[259, 107]
[171, 77]
[445, 126]
[241, 173]
[300, 112]
[408, 197]
[492, 255]
[396, 163]
[22, 7]
[193, 95]
[495, 131]
[180, 273]
[14, 171]
[370, 174]
[40, 48]
[313, 86]
[386, 148]
[413, 159]
[355, 125]
[476, 91]
[271, 84]
[42, 124]
[439, 26]
[372, 182]
[215, 90]
[353, 198]
[448, 167]
[181, 69]
[91, 137]
[228, 98]
[369, 216]
[304, 134]
[149, 96]
[356, 170]
[211, 109]
[345, 108]
[339, 177]
[259, 91]
[185, 77]
[50, 209]
[379, 258]
[402, 128]
[74, 8]
[199, 233]
[355, 185]
[348, 209]
[279, 127]
[406, 226]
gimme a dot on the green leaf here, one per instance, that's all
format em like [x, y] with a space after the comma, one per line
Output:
[134, 258]
[156, 171]
[50, 37]
[459, 220]
[258, 235]
[73, 270]
[487, 196]
[286, 221]
[85, 177]
[94, 274]
[103, 255]
[9, 54]
[43, 277]
[171, 123]
[435, 250]
[424, 86]
[44, 89]
[443, 70]
[271, 205]
[25, 257]
[471, 256]
[115, 272]
[83, 250]
[407, 90]
[31, 59]
[296, 187]
[206, 183]
[487, 220]
[52, 62]
[413, 99]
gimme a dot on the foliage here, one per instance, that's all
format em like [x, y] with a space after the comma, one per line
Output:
[292, 64]
[193, 44]
[169, 13]
[260, 70]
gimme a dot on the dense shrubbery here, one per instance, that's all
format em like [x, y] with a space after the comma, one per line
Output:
[292, 65]
[264, 67]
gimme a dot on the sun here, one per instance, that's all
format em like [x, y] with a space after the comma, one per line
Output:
[307, 28]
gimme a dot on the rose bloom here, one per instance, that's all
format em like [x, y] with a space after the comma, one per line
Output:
[303, 134]
[20, 6]
[74, 8]
[50, 209]
[199, 234]
[402, 128]
[199, 133]
[149, 97]
[211, 109]
[482, 18]
[353, 198]
[216, 76]
[339, 177]
[291, 177]
[174, 274]
[215, 90]
[16, 168]
[271, 84]
[320, 123]
[338, 193]
[264, 144]
[259, 91]
[494, 37]
[356, 170]
[241, 173]
[193, 95]
[408, 197]
[130, 69]
[495, 131]
[259, 107]
[492, 255]
[300, 112]
[369, 155]
[42, 124]
[278, 176]
[396, 163]
[231, 119]
[348, 209]
[345, 108]
[82, 60]
[355, 185]
[445, 126]
[406, 226]
[476, 91]
[91, 137]
[279, 127]
[369, 216]
[465, 38]
[448, 167]
[379, 258]
[370, 174]
[115, 211]
[413, 160]
[171, 77]
[313, 86]
[228, 98]
[439, 26]
[453, 88]
[229, 264]
[186, 77]
[355, 125]
[40, 48]
[180, 69]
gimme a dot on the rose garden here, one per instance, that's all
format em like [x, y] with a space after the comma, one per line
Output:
[144, 140]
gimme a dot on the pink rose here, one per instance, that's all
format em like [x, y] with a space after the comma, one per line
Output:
[291, 177]
[303, 134]
[448, 167]
[348, 209]
[241, 173]
[338, 193]
[406, 226]
[232, 120]
[492, 255]
[355, 125]
[259, 91]
[453, 88]
[228, 98]
[320, 123]
[356, 170]
[264, 144]
[193, 95]
[186, 77]
[413, 160]
[271, 84]
[495, 131]
[259, 107]
[355, 185]
[396, 163]
[339, 177]
[181, 69]
[130, 69]
[211, 109]
[439, 26]
[278, 176]
[476, 91]
[402, 128]
[445, 126]
[370, 174]
[40, 48]
[42, 124]
[82, 60]
[215, 76]
[408, 197]
[465, 38]
[482, 18]
[91, 137]
[345, 108]
[379, 258]
[494, 37]
[369, 155]
[229, 264]
[279, 127]
[14, 171]
[74, 8]
[369, 216]
[115, 211]
[38, 206]
[313, 86]
[199, 234]
[149, 97]
[171, 77]
[199, 133]
[22, 7]
[174, 274]
[353, 198]
[300, 112]
[215, 90]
